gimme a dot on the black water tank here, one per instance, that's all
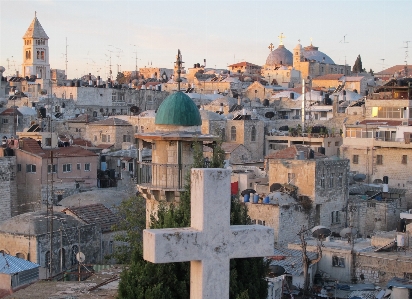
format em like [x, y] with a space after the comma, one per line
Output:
[328, 101]
[42, 112]
[72, 84]
[292, 95]
[385, 180]
[366, 93]
[78, 83]
[266, 102]
[311, 154]
[344, 92]
[321, 150]
[112, 174]
[8, 152]
[321, 92]
[102, 158]
[33, 104]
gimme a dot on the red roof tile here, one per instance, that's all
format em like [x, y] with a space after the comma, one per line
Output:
[70, 151]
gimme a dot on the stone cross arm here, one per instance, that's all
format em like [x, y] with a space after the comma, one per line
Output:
[187, 244]
[211, 241]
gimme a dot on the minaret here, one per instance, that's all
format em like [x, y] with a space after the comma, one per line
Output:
[178, 69]
[36, 51]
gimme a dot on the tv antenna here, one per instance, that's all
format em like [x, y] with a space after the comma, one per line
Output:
[383, 62]
[66, 56]
[343, 41]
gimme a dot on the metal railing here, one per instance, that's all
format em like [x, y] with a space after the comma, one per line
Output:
[168, 176]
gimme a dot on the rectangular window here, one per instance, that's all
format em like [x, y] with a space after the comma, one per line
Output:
[331, 180]
[322, 182]
[79, 166]
[126, 138]
[48, 141]
[355, 159]
[404, 159]
[30, 168]
[86, 166]
[51, 169]
[291, 178]
[340, 179]
[336, 143]
[379, 159]
[18, 167]
[335, 217]
[338, 261]
[323, 114]
[108, 138]
[67, 167]
[104, 138]
[5, 121]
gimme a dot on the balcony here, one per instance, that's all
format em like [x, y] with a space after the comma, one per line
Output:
[170, 177]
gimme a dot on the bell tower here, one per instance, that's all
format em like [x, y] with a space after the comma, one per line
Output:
[36, 51]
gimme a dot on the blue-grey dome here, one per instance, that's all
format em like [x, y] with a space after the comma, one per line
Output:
[280, 56]
[312, 53]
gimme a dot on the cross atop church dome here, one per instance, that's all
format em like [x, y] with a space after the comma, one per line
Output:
[281, 37]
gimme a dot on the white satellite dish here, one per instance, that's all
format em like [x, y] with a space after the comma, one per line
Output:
[80, 257]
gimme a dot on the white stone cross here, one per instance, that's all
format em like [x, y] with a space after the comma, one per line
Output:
[211, 241]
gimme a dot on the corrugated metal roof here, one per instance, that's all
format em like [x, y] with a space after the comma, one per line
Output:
[292, 260]
[11, 264]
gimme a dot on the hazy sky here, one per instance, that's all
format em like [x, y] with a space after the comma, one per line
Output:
[222, 32]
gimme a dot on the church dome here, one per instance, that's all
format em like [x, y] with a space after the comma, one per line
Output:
[178, 110]
[280, 56]
[312, 53]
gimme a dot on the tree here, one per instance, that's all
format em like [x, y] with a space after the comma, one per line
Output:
[357, 67]
[143, 279]
[306, 262]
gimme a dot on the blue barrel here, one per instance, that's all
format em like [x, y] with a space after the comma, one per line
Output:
[256, 198]
[266, 199]
[246, 198]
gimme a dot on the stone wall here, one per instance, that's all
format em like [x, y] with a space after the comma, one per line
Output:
[94, 133]
[8, 187]
[373, 215]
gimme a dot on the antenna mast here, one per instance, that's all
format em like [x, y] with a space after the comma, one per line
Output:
[406, 57]
[66, 57]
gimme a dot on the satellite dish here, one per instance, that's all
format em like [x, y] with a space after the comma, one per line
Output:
[275, 187]
[276, 270]
[348, 231]
[320, 232]
[247, 191]
[359, 177]
[80, 257]
[134, 109]
[269, 114]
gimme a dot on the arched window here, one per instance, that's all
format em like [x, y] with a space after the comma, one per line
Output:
[62, 259]
[253, 134]
[94, 113]
[75, 250]
[20, 255]
[233, 133]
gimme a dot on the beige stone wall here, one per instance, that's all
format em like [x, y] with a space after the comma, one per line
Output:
[372, 216]
[244, 136]
[400, 175]
[94, 134]
[28, 184]
[304, 172]
[13, 244]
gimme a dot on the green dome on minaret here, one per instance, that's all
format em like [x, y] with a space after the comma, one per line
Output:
[179, 110]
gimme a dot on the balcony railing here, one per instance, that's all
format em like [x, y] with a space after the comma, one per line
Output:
[166, 176]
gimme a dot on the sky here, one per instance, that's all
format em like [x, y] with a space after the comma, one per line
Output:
[222, 32]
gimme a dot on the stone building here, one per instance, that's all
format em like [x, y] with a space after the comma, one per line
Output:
[245, 68]
[312, 62]
[380, 145]
[73, 169]
[234, 153]
[111, 131]
[103, 218]
[321, 181]
[247, 131]
[16, 120]
[8, 187]
[370, 210]
[27, 236]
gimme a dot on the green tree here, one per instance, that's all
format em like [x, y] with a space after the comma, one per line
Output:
[141, 279]
[357, 67]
